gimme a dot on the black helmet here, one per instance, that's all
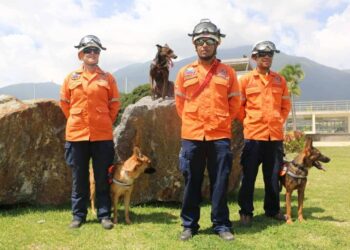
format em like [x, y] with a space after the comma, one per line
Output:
[264, 46]
[89, 41]
[206, 28]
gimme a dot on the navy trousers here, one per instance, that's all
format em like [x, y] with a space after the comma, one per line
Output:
[194, 157]
[78, 155]
[270, 154]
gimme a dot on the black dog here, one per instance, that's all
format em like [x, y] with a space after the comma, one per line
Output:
[159, 73]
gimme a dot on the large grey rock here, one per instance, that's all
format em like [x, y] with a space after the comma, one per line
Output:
[155, 127]
[32, 167]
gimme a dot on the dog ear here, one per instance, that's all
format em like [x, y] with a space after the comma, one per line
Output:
[308, 145]
[159, 46]
[137, 151]
[166, 45]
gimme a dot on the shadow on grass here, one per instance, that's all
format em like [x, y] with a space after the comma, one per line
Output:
[136, 218]
[153, 217]
[308, 214]
[25, 208]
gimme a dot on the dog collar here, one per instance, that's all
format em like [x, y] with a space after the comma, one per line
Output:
[121, 183]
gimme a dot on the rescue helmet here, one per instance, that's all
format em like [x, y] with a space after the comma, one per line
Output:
[89, 41]
[206, 29]
[264, 46]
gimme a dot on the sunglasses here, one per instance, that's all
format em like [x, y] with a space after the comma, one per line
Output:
[88, 50]
[201, 42]
[263, 54]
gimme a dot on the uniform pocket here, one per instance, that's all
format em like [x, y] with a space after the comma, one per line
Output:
[277, 96]
[74, 84]
[103, 116]
[103, 83]
[223, 118]
[75, 118]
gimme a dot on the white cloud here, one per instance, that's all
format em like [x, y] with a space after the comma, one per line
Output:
[39, 47]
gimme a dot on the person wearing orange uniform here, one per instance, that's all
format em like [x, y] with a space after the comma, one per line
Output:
[207, 100]
[90, 102]
[265, 105]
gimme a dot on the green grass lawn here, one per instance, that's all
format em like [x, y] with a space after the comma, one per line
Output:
[157, 225]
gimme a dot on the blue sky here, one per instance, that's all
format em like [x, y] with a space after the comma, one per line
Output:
[37, 36]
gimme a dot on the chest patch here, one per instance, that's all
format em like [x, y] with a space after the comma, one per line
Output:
[222, 73]
[75, 76]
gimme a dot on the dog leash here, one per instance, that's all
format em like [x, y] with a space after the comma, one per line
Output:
[207, 79]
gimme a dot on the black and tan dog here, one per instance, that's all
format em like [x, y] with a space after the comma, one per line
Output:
[123, 176]
[159, 73]
[294, 175]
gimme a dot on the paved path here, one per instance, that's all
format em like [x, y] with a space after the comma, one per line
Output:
[331, 143]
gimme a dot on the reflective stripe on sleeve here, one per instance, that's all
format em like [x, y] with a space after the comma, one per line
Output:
[234, 94]
[65, 100]
[114, 100]
[180, 94]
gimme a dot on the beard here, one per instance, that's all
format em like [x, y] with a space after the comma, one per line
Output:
[207, 57]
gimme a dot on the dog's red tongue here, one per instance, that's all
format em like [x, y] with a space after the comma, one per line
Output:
[171, 63]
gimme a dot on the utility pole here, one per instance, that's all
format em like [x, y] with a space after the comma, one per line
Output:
[126, 85]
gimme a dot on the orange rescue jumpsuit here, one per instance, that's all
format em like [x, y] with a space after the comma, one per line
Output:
[90, 104]
[265, 105]
[210, 114]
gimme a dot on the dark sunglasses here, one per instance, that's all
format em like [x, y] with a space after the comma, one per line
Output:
[201, 42]
[91, 49]
[263, 54]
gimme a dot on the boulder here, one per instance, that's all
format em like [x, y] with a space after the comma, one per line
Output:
[32, 166]
[155, 127]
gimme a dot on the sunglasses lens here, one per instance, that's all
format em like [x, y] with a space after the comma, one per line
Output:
[201, 42]
[91, 49]
[263, 54]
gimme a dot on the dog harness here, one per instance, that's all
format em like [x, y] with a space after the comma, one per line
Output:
[297, 171]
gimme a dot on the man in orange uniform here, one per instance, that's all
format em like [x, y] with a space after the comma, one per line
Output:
[207, 100]
[265, 105]
[90, 102]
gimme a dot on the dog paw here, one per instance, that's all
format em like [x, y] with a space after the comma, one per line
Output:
[115, 221]
[128, 221]
[301, 219]
[289, 222]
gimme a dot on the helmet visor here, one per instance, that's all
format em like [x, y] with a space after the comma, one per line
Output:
[266, 46]
[90, 40]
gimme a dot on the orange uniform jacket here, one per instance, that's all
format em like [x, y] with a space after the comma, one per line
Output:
[210, 114]
[265, 105]
[90, 106]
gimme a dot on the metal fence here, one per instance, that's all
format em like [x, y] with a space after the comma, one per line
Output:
[341, 105]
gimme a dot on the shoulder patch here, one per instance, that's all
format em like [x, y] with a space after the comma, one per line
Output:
[277, 80]
[75, 76]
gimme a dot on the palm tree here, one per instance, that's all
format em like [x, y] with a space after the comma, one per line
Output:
[293, 74]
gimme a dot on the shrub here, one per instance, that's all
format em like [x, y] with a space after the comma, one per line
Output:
[131, 98]
[294, 141]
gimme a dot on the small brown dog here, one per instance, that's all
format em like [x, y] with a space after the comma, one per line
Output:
[124, 175]
[159, 73]
[294, 176]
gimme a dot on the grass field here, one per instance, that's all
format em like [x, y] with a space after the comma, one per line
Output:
[157, 225]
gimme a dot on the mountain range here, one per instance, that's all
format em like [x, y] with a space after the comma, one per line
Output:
[321, 82]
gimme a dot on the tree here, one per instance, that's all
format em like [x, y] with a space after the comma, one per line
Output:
[293, 74]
